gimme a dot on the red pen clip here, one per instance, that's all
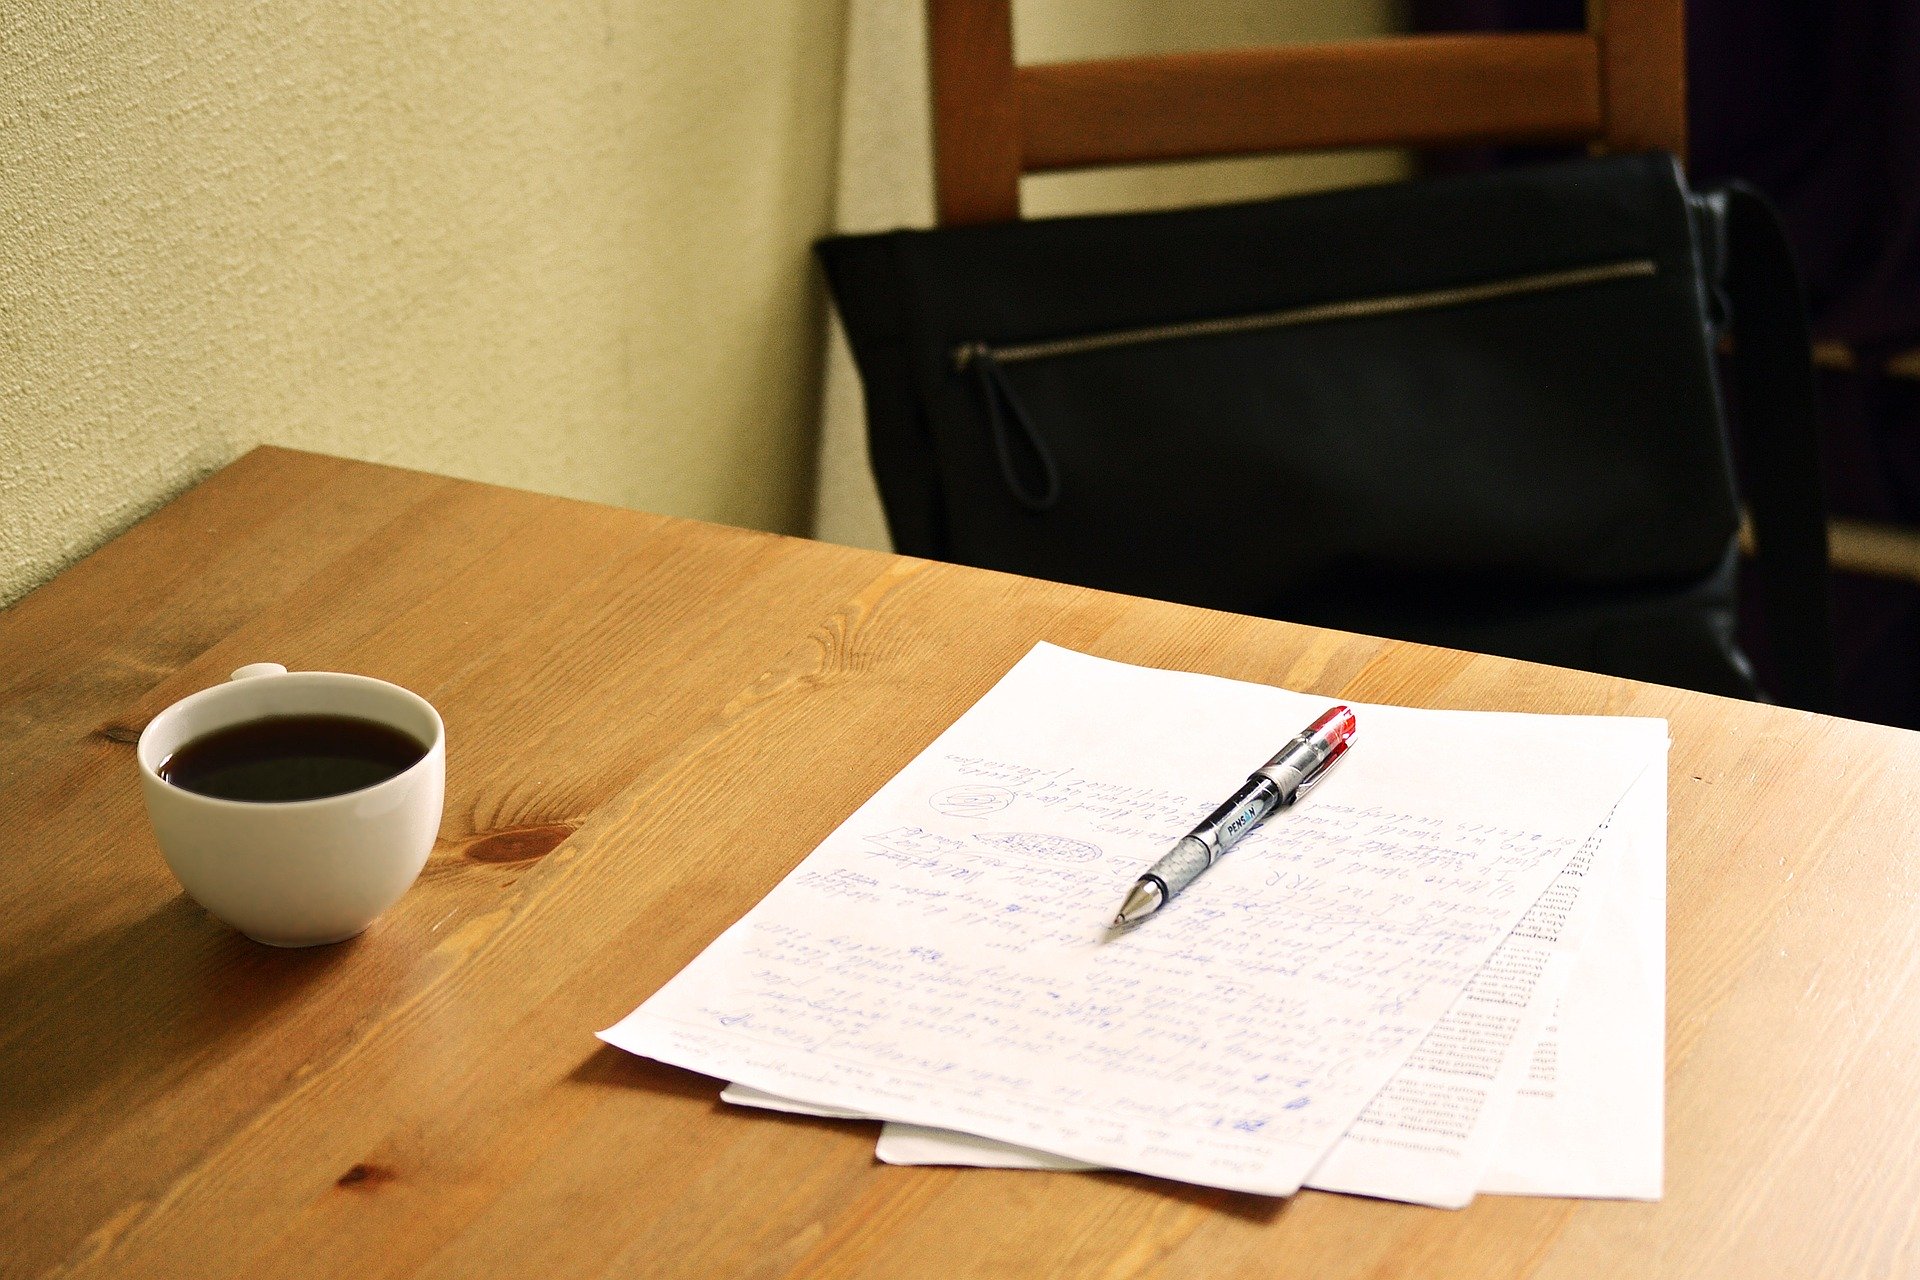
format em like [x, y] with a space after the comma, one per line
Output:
[1334, 733]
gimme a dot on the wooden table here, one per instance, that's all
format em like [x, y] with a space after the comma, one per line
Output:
[428, 1099]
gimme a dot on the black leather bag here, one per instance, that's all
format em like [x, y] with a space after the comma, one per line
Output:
[1479, 412]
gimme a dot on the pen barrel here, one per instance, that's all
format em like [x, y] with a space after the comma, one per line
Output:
[1222, 829]
[1287, 779]
[1297, 766]
[1181, 865]
[1277, 784]
[1240, 814]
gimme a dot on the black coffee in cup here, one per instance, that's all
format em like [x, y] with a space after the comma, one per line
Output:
[300, 757]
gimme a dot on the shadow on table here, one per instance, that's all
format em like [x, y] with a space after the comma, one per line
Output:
[136, 1007]
[608, 1066]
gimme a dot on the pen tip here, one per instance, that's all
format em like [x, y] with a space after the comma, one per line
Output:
[1144, 899]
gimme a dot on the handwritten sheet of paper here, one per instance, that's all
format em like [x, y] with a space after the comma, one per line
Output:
[942, 958]
[1428, 1135]
[1590, 1117]
[1431, 1134]
[1434, 1130]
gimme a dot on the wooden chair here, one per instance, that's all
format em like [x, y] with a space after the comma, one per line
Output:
[1621, 85]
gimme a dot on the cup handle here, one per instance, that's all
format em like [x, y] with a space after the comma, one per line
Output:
[253, 669]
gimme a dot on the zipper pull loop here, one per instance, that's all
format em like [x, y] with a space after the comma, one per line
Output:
[1004, 414]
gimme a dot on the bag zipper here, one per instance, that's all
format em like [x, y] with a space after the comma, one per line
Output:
[1390, 304]
[1036, 484]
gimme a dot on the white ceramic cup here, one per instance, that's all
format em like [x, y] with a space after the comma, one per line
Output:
[297, 873]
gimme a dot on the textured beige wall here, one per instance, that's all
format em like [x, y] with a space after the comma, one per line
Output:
[559, 244]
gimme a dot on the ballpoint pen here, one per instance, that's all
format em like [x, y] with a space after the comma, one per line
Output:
[1276, 784]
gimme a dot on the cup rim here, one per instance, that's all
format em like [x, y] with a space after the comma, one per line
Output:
[213, 691]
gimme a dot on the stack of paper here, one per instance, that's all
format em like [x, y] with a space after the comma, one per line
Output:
[1442, 971]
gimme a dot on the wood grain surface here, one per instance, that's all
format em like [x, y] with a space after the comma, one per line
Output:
[1620, 85]
[1643, 73]
[976, 131]
[428, 1099]
[1417, 91]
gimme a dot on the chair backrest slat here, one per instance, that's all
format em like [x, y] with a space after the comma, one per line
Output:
[1620, 85]
[1448, 89]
